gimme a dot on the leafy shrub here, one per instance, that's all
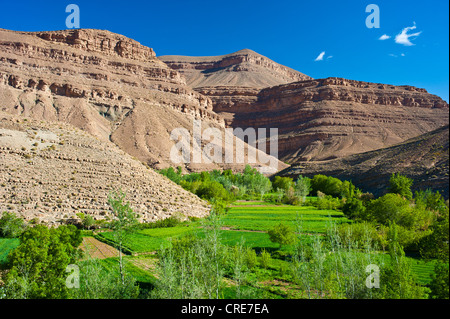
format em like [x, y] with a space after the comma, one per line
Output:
[250, 258]
[359, 234]
[171, 221]
[11, 226]
[281, 234]
[266, 259]
[399, 184]
[284, 183]
[354, 208]
[327, 202]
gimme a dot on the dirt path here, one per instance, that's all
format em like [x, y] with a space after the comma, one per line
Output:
[97, 249]
[243, 230]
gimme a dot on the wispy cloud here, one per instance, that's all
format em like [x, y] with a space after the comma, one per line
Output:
[320, 57]
[395, 55]
[404, 37]
[384, 37]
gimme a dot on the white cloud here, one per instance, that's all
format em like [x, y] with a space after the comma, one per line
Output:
[403, 37]
[384, 37]
[329, 57]
[320, 57]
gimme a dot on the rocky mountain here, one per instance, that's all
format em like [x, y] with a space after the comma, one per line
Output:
[110, 86]
[50, 171]
[244, 68]
[316, 119]
[424, 158]
[334, 117]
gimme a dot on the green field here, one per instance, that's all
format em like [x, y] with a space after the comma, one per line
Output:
[263, 218]
[6, 245]
[249, 222]
[147, 240]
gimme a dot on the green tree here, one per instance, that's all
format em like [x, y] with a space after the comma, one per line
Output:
[354, 208]
[124, 222]
[397, 280]
[281, 234]
[436, 245]
[440, 278]
[11, 226]
[326, 184]
[38, 264]
[284, 183]
[399, 184]
[302, 187]
[266, 259]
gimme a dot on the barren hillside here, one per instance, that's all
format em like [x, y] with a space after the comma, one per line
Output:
[425, 159]
[51, 171]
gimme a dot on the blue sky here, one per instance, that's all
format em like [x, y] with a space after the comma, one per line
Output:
[291, 32]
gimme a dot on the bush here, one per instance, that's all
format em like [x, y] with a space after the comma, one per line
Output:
[397, 209]
[171, 174]
[362, 233]
[281, 234]
[399, 184]
[284, 183]
[265, 259]
[290, 197]
[354, 208]
[163, 223]
[327, 202]
[11, 226]
[213, 190]
[250, 258]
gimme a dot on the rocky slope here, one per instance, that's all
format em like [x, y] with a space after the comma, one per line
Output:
[244, 68]
[328, 118]
[317, 119]
[106, 84]
[51, 171]
[334, 117]
[424, 158]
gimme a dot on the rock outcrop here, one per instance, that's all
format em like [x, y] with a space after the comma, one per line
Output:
[334, 117]
[52, 171]
[424, 158]
[106, 84]
[244, 68]
[317, 119]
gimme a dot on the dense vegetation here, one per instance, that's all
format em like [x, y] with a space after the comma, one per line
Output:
[265, 238]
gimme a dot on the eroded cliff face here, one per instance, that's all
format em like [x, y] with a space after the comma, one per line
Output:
[106, 84]
[334, 117]
[329, 118]
[317, 119]
[244, 68]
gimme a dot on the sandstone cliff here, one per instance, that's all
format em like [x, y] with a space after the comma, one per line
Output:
[244, 68]
[334, 117]
[106, 84]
